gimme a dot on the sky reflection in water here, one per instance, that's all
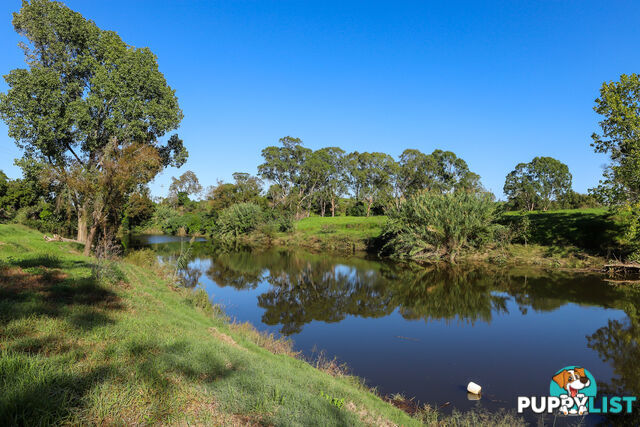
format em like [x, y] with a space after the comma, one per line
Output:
[428, 332]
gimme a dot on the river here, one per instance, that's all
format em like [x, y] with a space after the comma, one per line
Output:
[427, 332]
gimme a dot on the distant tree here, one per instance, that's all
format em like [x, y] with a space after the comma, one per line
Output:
[283, 167]
[575, 200]
[328, 165]
[537, 184]
[452, 173]
[439, 171]
[187, 184]
[88, 100]
[369, 176]
[245, 189]
[619, 104]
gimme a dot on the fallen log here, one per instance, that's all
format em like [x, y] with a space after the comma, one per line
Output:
[618, 282]
[58, 238]
[621, 268]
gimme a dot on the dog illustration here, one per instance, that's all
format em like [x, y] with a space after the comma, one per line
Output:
[573, 381]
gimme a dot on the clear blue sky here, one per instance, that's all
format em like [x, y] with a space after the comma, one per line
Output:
[496, 82]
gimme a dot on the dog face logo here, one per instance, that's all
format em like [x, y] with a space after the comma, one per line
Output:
[574, 385]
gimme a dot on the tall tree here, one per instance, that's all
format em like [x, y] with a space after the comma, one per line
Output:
[370, 176]
[284, 166]
[537, 183]
[322, 177]
[87, 99]
[440, 171]
[619, 104]
[246, 188]
[187, 184]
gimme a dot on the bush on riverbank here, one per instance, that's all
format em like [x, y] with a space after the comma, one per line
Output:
[434, 226]
[243, 219]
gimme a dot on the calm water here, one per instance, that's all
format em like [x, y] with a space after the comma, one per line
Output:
[427, 333]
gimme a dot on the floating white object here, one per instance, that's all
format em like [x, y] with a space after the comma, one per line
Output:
[473, 388]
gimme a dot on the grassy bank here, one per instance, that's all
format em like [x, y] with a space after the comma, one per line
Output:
[591, 230]
[114, 343]
[341, 233]
[122, 346]
[580, 238]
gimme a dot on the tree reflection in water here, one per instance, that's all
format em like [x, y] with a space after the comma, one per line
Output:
[306, 287]
[617, 344]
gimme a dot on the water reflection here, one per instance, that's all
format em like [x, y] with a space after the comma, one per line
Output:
[516, 320]
[306, 287]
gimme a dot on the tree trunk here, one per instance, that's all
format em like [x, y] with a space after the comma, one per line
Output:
[322, 207]
[370, 202]
[82, 225]
[90, 239]
[333, 207]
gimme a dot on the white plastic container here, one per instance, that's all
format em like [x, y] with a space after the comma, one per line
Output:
[474, 388]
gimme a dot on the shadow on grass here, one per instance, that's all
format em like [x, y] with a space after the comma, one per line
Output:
[51, 372]
[593, 232]
[50, 292]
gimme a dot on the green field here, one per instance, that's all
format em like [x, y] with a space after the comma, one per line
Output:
[76, 349]
[342, 233]
[592, 230]
[352, 226]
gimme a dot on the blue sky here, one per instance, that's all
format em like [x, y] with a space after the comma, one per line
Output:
[497, 83]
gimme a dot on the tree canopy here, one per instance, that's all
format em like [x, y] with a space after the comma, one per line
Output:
[537, 183]
[88, 99]
[619, 104]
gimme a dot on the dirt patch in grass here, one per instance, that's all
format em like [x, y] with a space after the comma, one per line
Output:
[366, 417]
[224, 338]
[15, 280]
[276, 345]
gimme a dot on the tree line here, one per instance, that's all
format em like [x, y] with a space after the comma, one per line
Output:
[93, 115]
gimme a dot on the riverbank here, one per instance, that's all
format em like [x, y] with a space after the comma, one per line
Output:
[574, 239]
[88, 342]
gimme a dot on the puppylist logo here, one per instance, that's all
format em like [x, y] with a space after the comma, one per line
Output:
[573, 391]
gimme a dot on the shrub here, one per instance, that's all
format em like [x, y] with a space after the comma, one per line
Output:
[279, 220]
[357, 209]
[627, 218]
[107, 272]
[433, 225]
[239, 219]
[142, 258]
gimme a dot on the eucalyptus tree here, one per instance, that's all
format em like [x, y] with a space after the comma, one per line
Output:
[369, 176]
[537, 183]
[86, 103]
[187, 184]
[331, 165]
[440, 171]
[246, 188]
[283, 166]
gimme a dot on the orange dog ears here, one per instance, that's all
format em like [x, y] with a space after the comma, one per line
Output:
[580, 372]
[562, 378]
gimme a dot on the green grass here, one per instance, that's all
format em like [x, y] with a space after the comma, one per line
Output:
[592, 230]
[576, 238]
[77, 350]
[357, 226]
[343, 233]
